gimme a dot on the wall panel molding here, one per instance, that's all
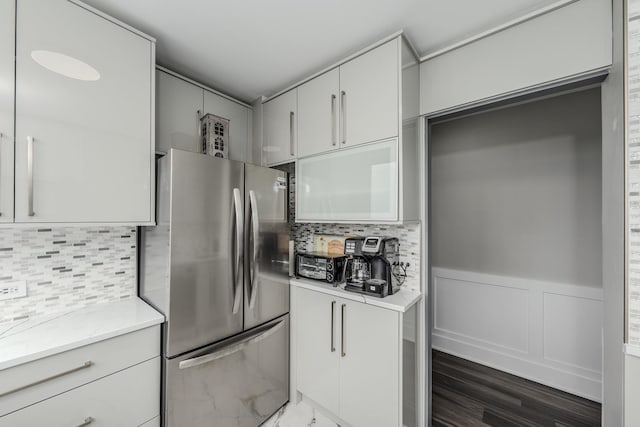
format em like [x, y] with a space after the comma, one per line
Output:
[543, 331]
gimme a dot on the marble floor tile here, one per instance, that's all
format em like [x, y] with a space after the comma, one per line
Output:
[300, 415]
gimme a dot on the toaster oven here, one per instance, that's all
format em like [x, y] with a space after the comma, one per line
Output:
[320, 266]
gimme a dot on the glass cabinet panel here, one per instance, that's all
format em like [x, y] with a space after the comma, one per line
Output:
[357, 184]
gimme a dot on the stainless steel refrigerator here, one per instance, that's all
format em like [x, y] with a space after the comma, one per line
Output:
[216, 265]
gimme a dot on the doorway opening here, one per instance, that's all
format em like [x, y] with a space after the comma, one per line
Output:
[515, 274]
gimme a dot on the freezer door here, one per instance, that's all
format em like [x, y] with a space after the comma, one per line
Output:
[239, 382]
[266, 293]
[206, 272]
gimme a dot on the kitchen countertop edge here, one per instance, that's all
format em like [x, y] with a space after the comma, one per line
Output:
[401, 301]
[22, 342]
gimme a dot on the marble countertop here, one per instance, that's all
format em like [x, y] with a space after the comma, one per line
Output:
[31, 339]
[401, 301]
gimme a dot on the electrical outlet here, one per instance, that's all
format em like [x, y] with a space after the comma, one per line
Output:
[15, 289]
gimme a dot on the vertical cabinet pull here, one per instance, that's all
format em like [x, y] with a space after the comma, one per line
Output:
[201, 142]
[333, 120]
[30, 174]
[344, 353]
[343, 112]
[333, 308]
[291, 151]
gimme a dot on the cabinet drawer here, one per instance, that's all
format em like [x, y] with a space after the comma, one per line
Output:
[128, 398]
[41, 379]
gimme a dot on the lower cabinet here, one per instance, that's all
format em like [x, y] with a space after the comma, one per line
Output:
[121, 399]
[115, 382]
[348, 358]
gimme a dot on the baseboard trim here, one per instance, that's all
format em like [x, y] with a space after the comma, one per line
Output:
[558, 379]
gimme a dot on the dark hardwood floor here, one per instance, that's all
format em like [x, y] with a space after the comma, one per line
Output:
[467, 394]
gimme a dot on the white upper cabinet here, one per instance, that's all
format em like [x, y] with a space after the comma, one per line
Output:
[355, 103]
[280, 128]
[178, 108]
[7, 46]
[365, 170]
[369, 95]
[357, 184]
[318, 115]
[84, 117]
[180, 104]
[570, 41]
[238, 116]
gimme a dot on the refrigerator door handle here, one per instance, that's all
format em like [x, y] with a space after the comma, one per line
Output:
[255, 230]
[237, 292]
[233, 348]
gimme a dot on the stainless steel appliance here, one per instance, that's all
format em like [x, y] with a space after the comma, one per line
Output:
[217, 266]
[370, 267]
[320, 266]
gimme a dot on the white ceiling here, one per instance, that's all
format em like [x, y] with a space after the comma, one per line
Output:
[248, 48]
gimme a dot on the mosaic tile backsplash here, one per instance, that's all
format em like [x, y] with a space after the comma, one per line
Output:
[633, 173]
[407, 234]
[66, 268]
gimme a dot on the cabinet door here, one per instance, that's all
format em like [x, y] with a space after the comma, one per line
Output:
[84, 151]
[177, 105]
[369, 96]
[318, 114]
[317, 349]
[358, 184]
[238, 116]
[369, 365]
[279, 142]
[7, 46]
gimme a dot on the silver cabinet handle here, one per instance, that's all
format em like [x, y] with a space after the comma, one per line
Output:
[344, 308]
[291, 130]
[343, 112]
[255, 234]
[254, 338]
[333, 308]
[333, 120]
[199, 131]
[30, 174]
[239, 239]
[85, 365]
[86, 422]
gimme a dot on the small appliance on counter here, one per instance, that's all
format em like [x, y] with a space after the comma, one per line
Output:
[369, 268]
[321, 266]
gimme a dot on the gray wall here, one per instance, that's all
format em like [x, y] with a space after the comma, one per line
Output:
[517, 191]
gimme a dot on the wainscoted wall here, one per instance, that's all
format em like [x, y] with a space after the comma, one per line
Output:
[547, 332]
[66, 268]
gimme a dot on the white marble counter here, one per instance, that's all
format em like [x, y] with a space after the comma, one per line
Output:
[31, 339]
[401, 301]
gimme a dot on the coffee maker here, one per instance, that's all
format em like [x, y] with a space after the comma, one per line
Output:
[369, 268]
